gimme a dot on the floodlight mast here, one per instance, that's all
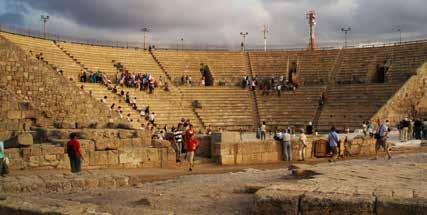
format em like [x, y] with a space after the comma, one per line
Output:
[311, 16]
[244, 39]
[346, 32]
[44, 20]
[145, 30]
[265, 31]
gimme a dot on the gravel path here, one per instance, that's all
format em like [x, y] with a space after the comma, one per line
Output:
[223, 193]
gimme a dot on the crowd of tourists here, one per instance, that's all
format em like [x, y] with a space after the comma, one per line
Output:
[379, 130]
[412, 129]
[268, 85]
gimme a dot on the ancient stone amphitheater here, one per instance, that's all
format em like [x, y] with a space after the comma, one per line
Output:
[40, 107]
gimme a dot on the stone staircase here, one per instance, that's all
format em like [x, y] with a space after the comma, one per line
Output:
[257, 118]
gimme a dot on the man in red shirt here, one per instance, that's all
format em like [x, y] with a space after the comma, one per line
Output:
[74, 153]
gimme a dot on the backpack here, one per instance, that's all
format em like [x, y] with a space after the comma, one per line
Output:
[70, 150]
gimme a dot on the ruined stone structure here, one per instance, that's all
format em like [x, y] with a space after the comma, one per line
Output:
[408, 101]
[39, 96]
[348, 77]
[232, 151]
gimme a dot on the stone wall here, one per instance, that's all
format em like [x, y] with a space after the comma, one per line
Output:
[101, 148]
[270, 151]
[15, 115]
[270, 201]
[53, 96]
[407, 100]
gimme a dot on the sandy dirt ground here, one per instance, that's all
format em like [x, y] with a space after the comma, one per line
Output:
[224, 193]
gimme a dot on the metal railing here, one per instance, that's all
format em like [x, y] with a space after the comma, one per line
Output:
[177, 46]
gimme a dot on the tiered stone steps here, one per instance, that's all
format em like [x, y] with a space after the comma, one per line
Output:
[99, 91]
[224, 65]
[101, 58]
[51, 53]
[348, 106]
[313, 66]
[168, 106]
[228, 108]
[291, 108]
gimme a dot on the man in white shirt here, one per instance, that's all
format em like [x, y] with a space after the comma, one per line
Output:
[302, 145]
[152, 117]
[263, 130]
[287, 147]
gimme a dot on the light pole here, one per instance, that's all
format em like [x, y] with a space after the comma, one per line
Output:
[182, 44]
[399, 29]
[145, 30]
[346, 31]
[44, 19]
[265, 31]
[244, 40]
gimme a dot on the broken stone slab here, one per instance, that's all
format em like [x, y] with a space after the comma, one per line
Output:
[401, 206]
[20, 140]
[335, 203]
[126, 134]
[253, 188]
[161, 144]
[105, 144]
[271, 201]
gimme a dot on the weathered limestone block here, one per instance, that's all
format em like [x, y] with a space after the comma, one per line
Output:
[104, 158]
[131, 156]
[20, 140]
[51, 149]
[132, 142]
[270, 201]
[230, 137]
[12, 153]
[106, 144]
[161, 144]
[14, 114]
[125, 134]
[326, 203]
[395, 206]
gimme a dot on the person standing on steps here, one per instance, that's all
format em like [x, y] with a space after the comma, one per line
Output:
[74, 153]
[263, 130]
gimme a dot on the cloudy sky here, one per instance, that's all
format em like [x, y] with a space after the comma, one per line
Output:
[219, 22]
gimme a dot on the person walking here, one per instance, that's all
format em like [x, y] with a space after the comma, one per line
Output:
[302, 145]
[333, 140]
[287, 146]
[4, 170]
[74, 153]
[178, 142]
[381, 136]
